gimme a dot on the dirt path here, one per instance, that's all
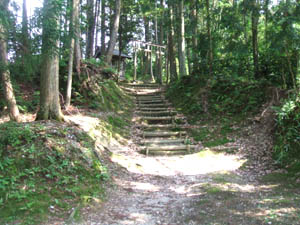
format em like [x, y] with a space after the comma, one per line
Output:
[160, 190]
[200, 188]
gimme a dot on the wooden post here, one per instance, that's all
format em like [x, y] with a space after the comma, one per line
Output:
[135, 56]
[151, 68]
[167, 65]
[161, 66]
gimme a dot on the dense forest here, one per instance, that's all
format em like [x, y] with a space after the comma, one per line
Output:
[224, 64]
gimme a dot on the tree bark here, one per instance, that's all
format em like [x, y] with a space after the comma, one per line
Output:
[25, 34]
[146, 69]
[75, 5]
[4, 71]
[254, 24]
[114, 32]
[194, 37]
[266, 9]
[49, 92]
[91, 29]
[103, 27]
[210, 51]
[26, 45]
[171, 47]
[181, 44]
[77, 47]
[97, 14]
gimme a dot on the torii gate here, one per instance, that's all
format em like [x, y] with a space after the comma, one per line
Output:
[147, 47]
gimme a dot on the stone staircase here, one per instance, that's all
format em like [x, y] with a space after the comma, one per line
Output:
[160, 126]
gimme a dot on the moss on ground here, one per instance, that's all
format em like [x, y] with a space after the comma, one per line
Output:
[46, 168]
[50, 169]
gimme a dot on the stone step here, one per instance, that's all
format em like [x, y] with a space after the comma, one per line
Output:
[154, 101]
[157, 141]
[156, 118]
[156, 105]
[164, 134]
[157, 113]
[150, 98]
[169, 148]
[158, 126]
[152, 109]
[149, 94]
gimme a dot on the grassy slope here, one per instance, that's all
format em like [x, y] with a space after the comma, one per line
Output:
[52, 169]
[274, 197]
[229, 103]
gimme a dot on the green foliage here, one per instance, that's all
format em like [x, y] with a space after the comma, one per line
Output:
[287, 138]
[40, 171]
[227, 96]
[109, 70]
[96, 62]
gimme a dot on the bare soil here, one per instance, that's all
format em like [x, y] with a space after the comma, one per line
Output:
[207, 187]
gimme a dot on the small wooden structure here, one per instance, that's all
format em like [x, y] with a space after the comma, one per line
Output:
[118, 61]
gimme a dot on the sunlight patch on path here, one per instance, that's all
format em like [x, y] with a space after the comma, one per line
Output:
[195, 164]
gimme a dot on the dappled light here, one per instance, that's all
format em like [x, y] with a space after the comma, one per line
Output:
[165, 112]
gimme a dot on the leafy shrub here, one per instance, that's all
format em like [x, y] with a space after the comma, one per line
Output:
[287, 137]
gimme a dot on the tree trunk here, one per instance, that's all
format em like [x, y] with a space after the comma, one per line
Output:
[4, 71]
[75, 5]
[160, 40]
[266, 9]
[181, 44]
[146, 69]
[103, 27]
[194, 37]
[49, 97]
[91, 29]
[210, 51]
[97, 14]
[25, 34]
[114, 32]
[77, 32]
[254, 23]
[26, 45]
[171, 47]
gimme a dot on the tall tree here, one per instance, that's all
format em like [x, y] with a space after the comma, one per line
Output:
[77, 47]
[171, 44]
[25, 33]
[90, 28]
[49, 91]
[114, 32]
[74, 17]
[181, 44]
[195, 36]
[254, 29]
[146, 69]
[97, 13]
[210, 50]
[4, 71]
[103, 27]
[266, 11]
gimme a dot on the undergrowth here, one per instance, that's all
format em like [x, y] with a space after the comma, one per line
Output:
[229, 101]
[105, 96]
[225, 97]
[287, 136]
[46, 169]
